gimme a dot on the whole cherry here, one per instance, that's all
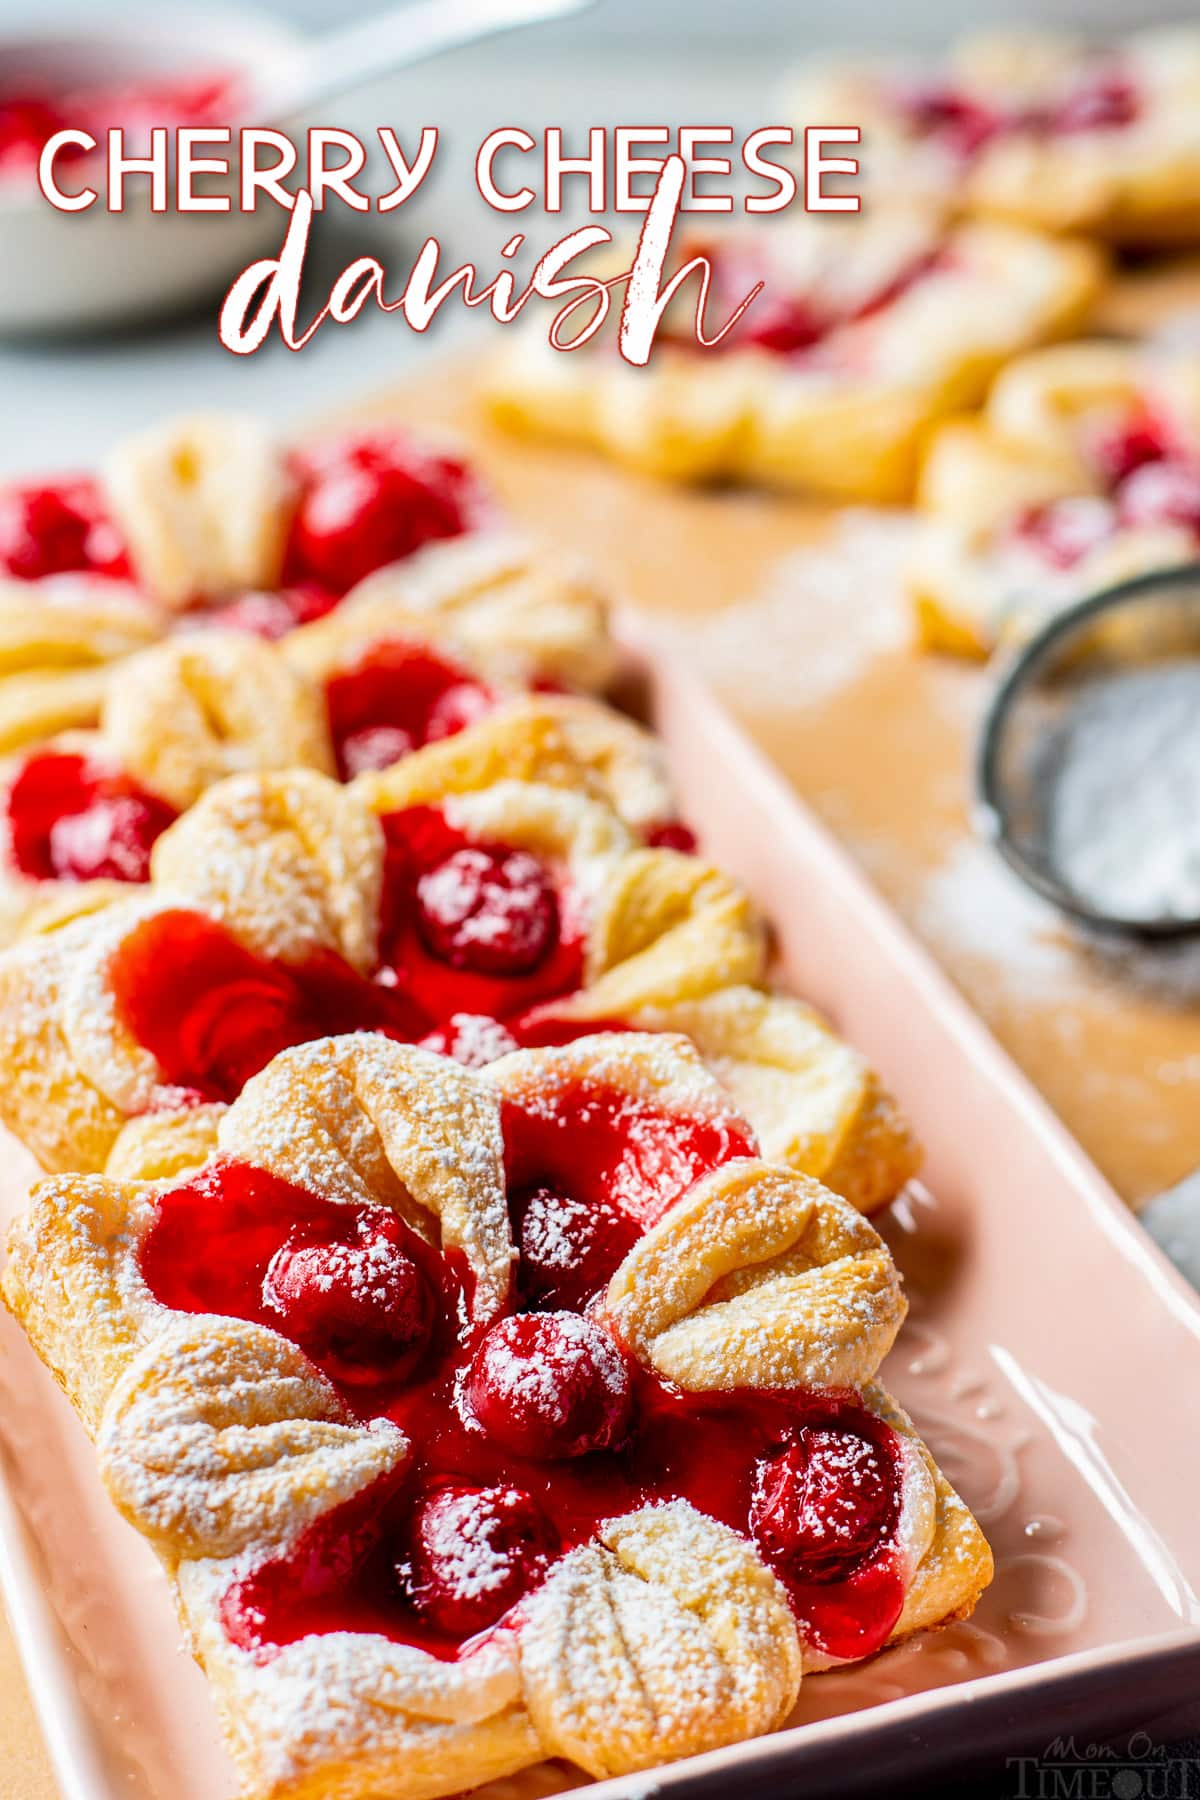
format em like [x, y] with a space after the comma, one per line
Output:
[823, 1504]
[74, 819]
[550, 1385]
[472, 1553]
[60, 528]
[488, 909]
[373, 499]
[569, 1247]
[361, 1307]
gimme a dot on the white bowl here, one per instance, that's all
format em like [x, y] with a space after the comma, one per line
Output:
[62, 272]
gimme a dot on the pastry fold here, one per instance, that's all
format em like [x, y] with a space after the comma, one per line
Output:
[292, 866]
[849, 422]
[664, 1635]
[1022, 512]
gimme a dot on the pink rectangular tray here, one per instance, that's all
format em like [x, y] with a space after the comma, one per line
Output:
[1052, 1359]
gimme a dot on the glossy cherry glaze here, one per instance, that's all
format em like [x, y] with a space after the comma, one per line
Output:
[527, 1431]
[1150, 481]
[672, 834]
[30, 118]
[791, 324]
[373, 498]
[1104, 98]
[476, 937]
[370, 1566]
[71, 818]
[600, 1145]
[1115, 448]
[356, 1287]
[58, 528]
[393, 699]
[214, 1013]
[474, 928]
[27, 123]
[589, 1169]
[936, 109]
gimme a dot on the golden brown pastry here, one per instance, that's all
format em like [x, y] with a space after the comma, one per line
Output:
[315, 1352]
[415, 654]
[1044, 130]
[283, 906]
[868, 329]
[1082, 470]
[446, 906]
[59, 640]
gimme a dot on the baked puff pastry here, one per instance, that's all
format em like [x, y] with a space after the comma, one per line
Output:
[867, 330]
[284, 906]
[1034, 128]
[80, 814]
[414, 655]
[408, 1332]
[521, 614]
[212, 508]
[59, 641]
[1082, 470]
[441, 901]
[211, 516]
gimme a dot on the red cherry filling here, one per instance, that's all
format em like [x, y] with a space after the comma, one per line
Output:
[608, 1149]
[935, 109]
[569, 1248]
[468, 927]
[488, 909]
[781, 322]
[395, 698]
[1062, 532]
[358, 1304]
[472, 1553]
[1103, 102]
[213, 1013]
[1117, 450]
[526, 1434]
[589, 1170]
[672, 834]
[383, 1564]
[354, 1286]
[27, 123]
[138, 106]
[471, 1039]
[58, 529]
[1149, 482]
[550, 1385]
[373, 499]
[71, 819]
[543, 1406]
[268, 615]
[824, 1504]
[1161, 493]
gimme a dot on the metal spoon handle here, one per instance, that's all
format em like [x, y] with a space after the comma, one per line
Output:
[342, 60]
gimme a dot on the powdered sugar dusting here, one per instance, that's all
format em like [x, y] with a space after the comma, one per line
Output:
[822, 616]
[976, 906]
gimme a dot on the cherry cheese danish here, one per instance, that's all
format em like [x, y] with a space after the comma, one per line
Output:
[485, 1417]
